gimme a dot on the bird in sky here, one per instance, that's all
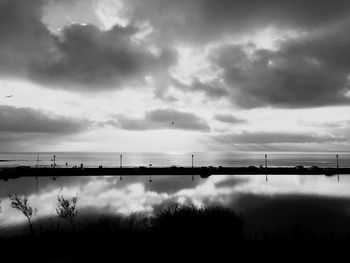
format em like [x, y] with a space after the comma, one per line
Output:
[172, 123]
[8, 96]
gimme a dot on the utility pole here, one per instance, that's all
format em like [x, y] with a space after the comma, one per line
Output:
[121, 165]
[37, 160]
[192, 168]
[338, 165]
[37, 166]
[54, 161]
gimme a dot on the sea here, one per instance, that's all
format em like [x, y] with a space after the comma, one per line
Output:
[278, 201]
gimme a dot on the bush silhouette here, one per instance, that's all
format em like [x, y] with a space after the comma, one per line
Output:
[190, 221]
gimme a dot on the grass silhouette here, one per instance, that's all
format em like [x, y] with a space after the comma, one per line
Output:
[21, 203]
[67, 208]
[175, 230]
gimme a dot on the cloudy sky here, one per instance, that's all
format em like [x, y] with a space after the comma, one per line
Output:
[164, 75]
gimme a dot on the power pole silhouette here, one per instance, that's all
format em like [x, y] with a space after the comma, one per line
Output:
[37, 166]
[54, 161]
[338, 166]
[37, 160]
[121, 165]
[192, 168]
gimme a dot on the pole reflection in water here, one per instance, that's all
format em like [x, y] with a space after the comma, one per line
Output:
[142, 194]
[266, 179]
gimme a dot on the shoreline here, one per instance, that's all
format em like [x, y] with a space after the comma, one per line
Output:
[204, 171]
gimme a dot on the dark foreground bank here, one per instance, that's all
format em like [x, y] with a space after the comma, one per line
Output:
[177, 232]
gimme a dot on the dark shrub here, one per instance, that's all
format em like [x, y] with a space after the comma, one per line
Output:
[181, 221]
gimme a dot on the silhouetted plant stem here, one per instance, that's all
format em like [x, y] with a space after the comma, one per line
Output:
[67, 208]
[21, 203]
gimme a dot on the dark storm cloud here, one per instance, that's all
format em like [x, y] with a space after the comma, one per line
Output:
[205, 20]
[81, 57]
[87, 56]
[30, 141]
[27, 120]
[309, 71]
[227, 118]
[162, 119]
[213, 89]
[23, 38]
[271, 138]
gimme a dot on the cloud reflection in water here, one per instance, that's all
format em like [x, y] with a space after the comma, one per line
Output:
[282, 198]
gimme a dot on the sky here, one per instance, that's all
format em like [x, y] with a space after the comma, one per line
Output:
[163, 75]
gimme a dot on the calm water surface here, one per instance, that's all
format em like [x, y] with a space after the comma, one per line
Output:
[281, 201]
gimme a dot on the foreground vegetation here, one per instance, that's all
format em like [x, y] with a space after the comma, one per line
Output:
[176, 230]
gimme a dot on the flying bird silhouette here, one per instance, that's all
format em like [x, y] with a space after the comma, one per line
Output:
[8, 96]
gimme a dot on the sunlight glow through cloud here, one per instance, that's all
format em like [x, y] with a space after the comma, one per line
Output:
[112, 12]
[100, 60]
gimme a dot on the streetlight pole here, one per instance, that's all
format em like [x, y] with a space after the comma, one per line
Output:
[192, 168]
[338, 165]
[37, 160]
[54, 161]
[121, 165]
